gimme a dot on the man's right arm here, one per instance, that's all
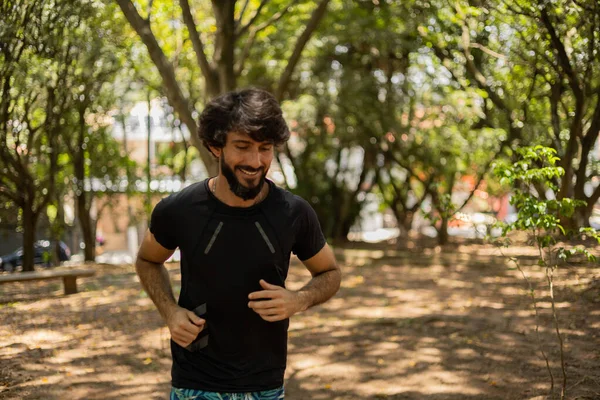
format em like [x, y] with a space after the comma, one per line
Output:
[183, 324]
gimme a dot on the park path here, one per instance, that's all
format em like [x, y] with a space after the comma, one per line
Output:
[405, 325]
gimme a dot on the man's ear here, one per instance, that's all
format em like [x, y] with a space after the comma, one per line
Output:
[216, 151]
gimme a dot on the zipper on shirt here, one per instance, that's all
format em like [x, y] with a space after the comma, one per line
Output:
[214, 237]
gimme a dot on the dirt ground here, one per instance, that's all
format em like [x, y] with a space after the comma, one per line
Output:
[435, 324]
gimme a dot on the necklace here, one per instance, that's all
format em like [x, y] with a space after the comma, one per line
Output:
[213, 189]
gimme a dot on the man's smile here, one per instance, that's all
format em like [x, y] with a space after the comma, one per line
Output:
[249, 173]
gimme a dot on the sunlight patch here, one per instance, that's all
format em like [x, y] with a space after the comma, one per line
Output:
[44, 336]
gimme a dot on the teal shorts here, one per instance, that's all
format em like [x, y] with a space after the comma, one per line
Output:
[191, 394]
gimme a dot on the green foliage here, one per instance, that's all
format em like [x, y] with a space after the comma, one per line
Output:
[534, 71]
[33, 65]
[542, 219]
[55, 96]
[345, 107]
[177, 157]
[107, 162]
[536, 165]
[444, 209]
[37, 54]
[327, 165]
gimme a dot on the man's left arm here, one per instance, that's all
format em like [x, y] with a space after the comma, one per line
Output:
[276, 303]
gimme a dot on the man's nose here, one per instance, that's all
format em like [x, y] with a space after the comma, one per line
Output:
[254, 159]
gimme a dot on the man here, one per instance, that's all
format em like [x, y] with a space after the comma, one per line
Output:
[236, 232]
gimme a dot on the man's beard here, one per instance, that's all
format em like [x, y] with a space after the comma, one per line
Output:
[241, 191]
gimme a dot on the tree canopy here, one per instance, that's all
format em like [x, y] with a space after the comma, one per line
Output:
[405, 104]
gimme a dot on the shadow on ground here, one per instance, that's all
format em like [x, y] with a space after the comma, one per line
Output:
[437, 328]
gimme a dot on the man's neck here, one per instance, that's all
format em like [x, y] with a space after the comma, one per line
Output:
[220, 188]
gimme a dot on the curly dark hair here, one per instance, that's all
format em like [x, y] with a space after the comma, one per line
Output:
[252, 111]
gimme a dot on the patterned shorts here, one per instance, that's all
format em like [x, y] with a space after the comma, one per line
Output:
[192, 394]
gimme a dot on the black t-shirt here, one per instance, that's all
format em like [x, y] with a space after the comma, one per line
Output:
[225, 251]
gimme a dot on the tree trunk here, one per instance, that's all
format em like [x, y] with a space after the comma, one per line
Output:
[443, 232]
[338, 231]
[83, 211]
[128, 172]
[404, 220]
[186, 149]
[286, 77]
[87, 230]
[172, 89]
[58, 229]
[148, 202]
[404, 227]
[579, 219]
[222, 67]
[345, 226]
[225, 43]
[29, 226]
[584, 214]
[587, 147]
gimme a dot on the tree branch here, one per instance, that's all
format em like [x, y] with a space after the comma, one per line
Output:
[479, 180]
[563, 58]
[518, 11]
[288, 154]
[224, 44]
[279, 155]
[5, 192]
[242, 29]
[592, 49]
[479, 78]
[443, 55]
[525, 104]
[400, 197]
[481, 81]
[587, 145]
[150, 5]
[314, 21]
[595, 196]
[172, 89]
[205, 67]
[240, 19]
[488, 51]
[393, 157]
[367, 165]
[427, 190]
[543, 54]
[583, 6]
[254, 31]
[554, 101]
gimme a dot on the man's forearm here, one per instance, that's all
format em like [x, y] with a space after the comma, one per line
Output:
[156, 282]
[320, 288]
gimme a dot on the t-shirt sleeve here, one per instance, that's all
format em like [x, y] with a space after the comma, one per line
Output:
[309, 236]
[162, 224]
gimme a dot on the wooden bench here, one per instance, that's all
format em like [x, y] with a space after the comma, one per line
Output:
[69, 277]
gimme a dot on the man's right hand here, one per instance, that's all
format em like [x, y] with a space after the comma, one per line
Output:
[184, 326]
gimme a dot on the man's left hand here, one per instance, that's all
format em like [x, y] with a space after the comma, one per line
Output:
[275, 303]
